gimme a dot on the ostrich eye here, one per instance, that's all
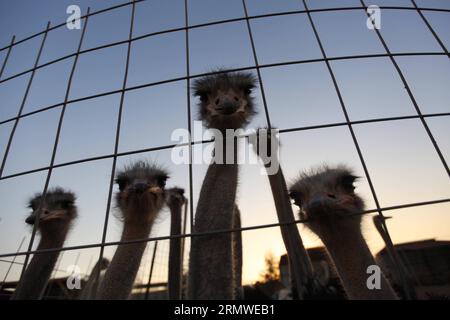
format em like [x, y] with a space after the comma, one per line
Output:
[248, 91]
[347, 183]
[296, 196]
[203, 97]
[161, 181]
[66, 204]
[122, 184]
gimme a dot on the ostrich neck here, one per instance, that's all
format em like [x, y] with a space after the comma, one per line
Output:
[352, 256]
[88, 291]
[34, 282]
[121, 273]
[237, 256]
[211, 257]
[299, 262]
[175, 254]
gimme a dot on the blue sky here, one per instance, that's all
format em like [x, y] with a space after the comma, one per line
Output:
[400, 157]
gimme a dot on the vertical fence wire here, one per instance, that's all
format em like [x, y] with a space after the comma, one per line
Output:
[419, 112]
[12, 263]
[257, 67]
[147, 289]
[88, 267]
[117, 139]
[53, 276]
[255, 58]
[13, 131]
[55, 145]
[343, 107]
[350, 127]
[183, 231]
[7, 55]
[435, 35]
[411, 95]
[188, 98]
[11, 136]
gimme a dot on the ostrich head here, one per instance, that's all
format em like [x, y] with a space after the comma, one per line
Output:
[225, 99]
[104, 263]
[175, 197]
[56, 210]
[141, 191]
[326, 198]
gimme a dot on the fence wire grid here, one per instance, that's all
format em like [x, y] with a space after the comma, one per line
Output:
[146, 274]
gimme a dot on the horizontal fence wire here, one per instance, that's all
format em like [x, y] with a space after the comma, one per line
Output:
[199, 234]
[12, 262]
[81, 18]
[187, 78]
[186, 144]
[262, 66]
[222, 21]
[202, 25]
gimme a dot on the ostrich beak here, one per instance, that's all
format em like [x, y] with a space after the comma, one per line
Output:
[55, 214]
[227, 105]
[319, 202]
[31, 219]
[155, 190]
[140, 186]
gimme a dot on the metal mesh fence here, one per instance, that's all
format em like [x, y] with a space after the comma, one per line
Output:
[151, 262]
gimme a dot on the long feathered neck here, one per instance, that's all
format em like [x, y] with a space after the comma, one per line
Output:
[121, 273]
[351, 256]
[175, 253]
[237, 256]
[88, 292]
[301, 269]
[211, 257]
[299, 261]
[35, 279]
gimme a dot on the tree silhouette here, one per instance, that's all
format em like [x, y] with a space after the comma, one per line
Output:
[272, 270]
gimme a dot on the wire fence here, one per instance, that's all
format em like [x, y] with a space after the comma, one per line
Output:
[420, 115]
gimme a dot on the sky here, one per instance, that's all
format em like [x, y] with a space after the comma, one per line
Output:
[400, 157]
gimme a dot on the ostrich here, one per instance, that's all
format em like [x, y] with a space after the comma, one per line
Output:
[301, 269]
[327, 201]
[88, 291]
[214, 265]
[175, 201]
[140, 198]
[53, 215]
